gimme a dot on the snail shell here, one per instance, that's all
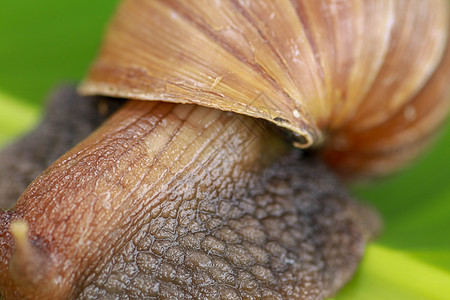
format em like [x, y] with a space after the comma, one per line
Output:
[338, 74]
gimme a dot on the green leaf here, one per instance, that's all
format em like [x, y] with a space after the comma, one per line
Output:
[15, 117]
[411, 260]
[49, 41]
[395, 274]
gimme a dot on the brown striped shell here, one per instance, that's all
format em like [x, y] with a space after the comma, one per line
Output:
[366, 81]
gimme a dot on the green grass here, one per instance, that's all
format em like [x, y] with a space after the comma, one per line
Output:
[46, 42]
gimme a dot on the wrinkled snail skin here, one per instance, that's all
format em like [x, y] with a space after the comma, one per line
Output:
[165, 200]
[101, 183]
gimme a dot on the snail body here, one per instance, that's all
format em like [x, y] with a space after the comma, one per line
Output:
[188, 192]
[228, 224]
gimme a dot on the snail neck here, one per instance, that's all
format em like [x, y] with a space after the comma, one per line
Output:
[146, 161]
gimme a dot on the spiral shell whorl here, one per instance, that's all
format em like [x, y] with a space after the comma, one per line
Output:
[333, 72]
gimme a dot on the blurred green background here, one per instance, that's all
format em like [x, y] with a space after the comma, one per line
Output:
[43, 43]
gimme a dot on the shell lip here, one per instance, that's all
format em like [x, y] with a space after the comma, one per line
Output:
[301, 134]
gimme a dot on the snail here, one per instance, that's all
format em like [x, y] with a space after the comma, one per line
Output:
[192, 188]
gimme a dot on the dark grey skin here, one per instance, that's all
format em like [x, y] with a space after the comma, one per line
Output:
[296, 234]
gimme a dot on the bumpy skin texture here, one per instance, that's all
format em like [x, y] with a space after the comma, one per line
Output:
[295, 235]
[68, 120]
[292, 232]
